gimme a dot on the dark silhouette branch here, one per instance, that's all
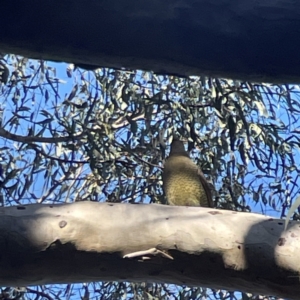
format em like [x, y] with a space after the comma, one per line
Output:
[253, 40]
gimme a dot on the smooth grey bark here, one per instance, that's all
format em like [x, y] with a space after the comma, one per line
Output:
[242, 39]
[194, 246]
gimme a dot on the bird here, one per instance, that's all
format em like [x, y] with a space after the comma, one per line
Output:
[183, 181]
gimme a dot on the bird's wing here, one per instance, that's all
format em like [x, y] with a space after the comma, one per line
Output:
[206, 188]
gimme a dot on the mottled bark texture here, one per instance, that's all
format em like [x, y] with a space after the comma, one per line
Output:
[194, 246]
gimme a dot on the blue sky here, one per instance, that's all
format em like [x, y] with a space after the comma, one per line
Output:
[64, 86]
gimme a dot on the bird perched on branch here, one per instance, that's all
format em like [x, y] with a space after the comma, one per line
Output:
[183, 181]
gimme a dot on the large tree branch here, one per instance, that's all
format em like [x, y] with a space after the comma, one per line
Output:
[38, 139]
[194, 246]
[242, 39]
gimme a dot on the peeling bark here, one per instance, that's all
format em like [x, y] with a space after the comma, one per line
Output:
[242, 39]
[85, 241]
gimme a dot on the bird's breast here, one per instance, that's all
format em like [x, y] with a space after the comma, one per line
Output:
[181, 182]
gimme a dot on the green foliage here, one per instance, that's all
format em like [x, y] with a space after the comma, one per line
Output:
[103, 135]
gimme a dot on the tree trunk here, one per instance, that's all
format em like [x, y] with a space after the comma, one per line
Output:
[242, 39]
[85, 241]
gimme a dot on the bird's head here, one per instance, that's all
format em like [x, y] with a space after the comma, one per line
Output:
[177, 147]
